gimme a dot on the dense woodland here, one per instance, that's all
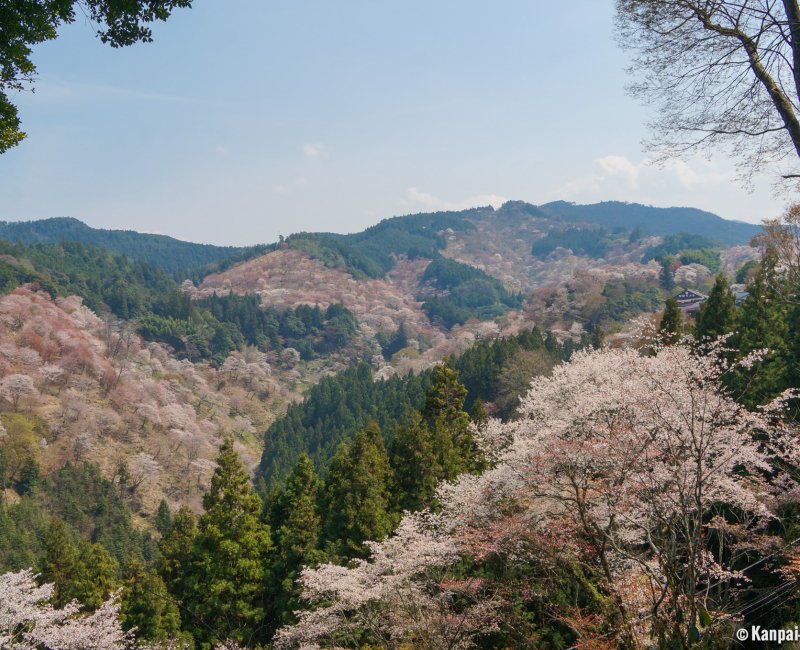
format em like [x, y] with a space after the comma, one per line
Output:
[406, 511]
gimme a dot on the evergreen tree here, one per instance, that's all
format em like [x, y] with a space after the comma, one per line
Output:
[357, 494]
[95, 576]
[671, 323]
[295, 522]
[762, 322]
[60, 562]
[416, 469]
[478, 414]
[175, 563]
[147, 606]
[716, 315]
[230, 552]
[667, 280]
[452, 441]
[80, 571]
[163, 520]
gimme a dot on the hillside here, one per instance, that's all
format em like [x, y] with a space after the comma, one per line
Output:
[654, 221]
[176, 257]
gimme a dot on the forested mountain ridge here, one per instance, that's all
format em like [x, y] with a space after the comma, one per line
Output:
[176, 257]
[651, 220]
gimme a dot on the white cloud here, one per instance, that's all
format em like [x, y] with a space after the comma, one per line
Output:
[313, 149]
[428, 202]
[280, 189]
[617, 177]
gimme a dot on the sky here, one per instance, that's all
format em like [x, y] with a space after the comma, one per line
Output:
[249, 119]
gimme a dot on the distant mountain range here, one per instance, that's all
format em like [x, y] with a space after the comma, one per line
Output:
[654, 221]
[369, 253]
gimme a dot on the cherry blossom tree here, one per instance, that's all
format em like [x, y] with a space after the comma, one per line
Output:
[14, 387]
[640, 468]
[393, 596]
[28, 620]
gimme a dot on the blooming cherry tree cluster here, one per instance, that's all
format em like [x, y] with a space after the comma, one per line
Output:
[640, 467]
[28, 621]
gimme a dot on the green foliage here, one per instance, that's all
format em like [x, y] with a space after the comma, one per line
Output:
[670, 327]
[214, 327]
[620, 301]
[175, 564]
[147, 606]
[451, 439]
[592, 242]
[356, 496]
[744, 272]
[708, 257]
[371, 253]
[106, 282]
[464, 292]
[79, 570]
[655, 221]
[163, 519]
[762, 321]
[178, 259]
[716, 314]
[296, 526]
[229, 554]
[87, 506]
[416, 470]
[334, 410]
[480, 366]
[339, 406]
[392, 343]
[678, 243]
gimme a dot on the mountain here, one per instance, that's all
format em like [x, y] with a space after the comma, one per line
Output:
[654, 221]
[176, 257]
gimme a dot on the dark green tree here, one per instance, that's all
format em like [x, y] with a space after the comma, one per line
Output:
[230, 553]
[163, 520]
[60, 561]
[296, 528]
[666, 277]
[177, 548]
[416, 468]
[79, 571]
[671, 325]
[451, 438]
[95, 576]
[716, 315]
[762, 322]
[357, 494]
[147, 606]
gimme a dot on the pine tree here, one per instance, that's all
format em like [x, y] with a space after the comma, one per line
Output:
[163, 520]
[147, 606]
[666, 277]
[60, 562]
[80, 571]
[230, 552]
[95, 576]
[295, 522]
[357, 494]
[416, 469]
[717, 313]
[671, 323]
[762, 322]
[175, 563]
[452, 441]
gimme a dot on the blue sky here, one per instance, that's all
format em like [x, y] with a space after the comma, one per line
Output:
[247, 119]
